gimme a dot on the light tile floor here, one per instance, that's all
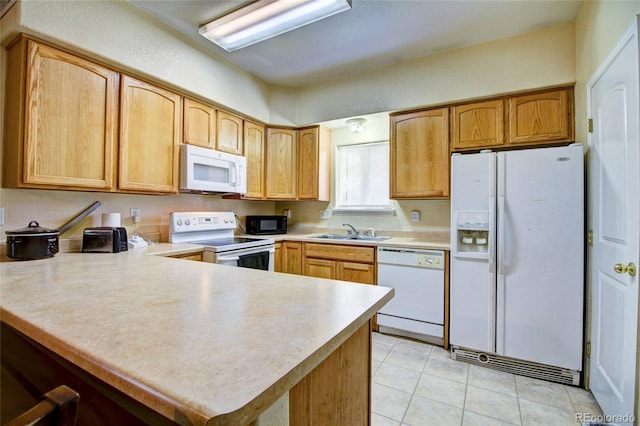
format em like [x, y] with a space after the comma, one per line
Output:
[418, 384]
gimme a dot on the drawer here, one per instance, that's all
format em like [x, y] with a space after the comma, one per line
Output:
[349, 253]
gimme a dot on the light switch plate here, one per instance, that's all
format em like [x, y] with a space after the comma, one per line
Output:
[325, 214]
[1, 216]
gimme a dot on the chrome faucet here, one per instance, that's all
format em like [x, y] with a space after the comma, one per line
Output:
[355, 231]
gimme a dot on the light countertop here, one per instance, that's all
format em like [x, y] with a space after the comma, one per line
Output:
[192, 340]
[428, 242]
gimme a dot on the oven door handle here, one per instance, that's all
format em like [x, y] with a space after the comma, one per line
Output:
[228, 259]
[236, 258]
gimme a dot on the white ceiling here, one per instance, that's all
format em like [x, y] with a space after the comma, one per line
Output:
[373, 34]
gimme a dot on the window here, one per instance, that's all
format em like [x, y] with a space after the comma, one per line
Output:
[362, 181]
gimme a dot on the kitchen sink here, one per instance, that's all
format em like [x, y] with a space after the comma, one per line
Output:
[349, 237]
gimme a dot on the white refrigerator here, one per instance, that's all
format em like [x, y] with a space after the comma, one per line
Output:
[517, 254]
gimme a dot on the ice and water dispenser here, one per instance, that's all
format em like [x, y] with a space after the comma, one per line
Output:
[472, 229]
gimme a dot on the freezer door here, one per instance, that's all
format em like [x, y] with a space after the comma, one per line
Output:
[472, 278]
[540, 255]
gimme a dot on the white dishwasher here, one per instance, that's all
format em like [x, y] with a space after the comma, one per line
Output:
[417, 309]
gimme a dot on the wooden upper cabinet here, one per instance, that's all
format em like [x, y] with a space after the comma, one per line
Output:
[230, 132]
[199, 124]
[281, 167]
[61, 117]
[150, 129]
[419, 154]
[254, 151]
[477, 125]
[541, 117]
[314, 164]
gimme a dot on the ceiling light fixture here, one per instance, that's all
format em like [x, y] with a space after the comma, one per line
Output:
[356, 125]
[263, 19]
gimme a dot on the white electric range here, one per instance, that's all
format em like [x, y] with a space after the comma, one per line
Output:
[215, 232]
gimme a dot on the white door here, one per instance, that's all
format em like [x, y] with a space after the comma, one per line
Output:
[540, 291]
[614, 188]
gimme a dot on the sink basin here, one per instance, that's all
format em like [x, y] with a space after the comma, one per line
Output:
[349, 237]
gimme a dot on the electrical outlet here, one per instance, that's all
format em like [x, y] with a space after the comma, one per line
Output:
[325, 214]
[135, 215]
[415, 215]
[287, 213]
[1, 216]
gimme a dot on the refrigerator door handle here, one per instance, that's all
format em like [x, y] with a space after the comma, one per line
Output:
[500, 278]
[492, 234]
[501, 238]
[501, 216]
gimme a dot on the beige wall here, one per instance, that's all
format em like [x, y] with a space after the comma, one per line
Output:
[52, 209]
[598, 28]
[537, 59]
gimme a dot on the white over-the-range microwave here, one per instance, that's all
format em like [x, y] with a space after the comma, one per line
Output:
[207, 170]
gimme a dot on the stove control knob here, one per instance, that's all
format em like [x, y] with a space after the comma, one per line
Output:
[179, 222]
[226, 220]
[187, 222]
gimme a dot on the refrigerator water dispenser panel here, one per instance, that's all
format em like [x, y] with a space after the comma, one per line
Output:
[472, 229]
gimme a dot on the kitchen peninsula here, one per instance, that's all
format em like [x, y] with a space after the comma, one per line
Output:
[175, 341]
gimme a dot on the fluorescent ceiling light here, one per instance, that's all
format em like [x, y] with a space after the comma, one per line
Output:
[264, 19]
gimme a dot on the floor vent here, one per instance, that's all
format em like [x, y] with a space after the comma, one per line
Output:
[517, 366]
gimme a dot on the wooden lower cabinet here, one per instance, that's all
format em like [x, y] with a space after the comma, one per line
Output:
[338, 391]
[189, 256]
[340, 262]
[356, 272]
[288, 257]
[320, 268]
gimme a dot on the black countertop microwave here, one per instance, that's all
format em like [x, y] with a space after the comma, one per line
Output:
[266, 225]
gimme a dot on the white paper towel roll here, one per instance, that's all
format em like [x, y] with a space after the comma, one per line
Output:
[110, 219]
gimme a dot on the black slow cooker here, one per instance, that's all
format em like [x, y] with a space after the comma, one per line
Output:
[32, 242]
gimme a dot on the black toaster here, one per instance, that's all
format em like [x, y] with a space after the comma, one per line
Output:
[104, 239]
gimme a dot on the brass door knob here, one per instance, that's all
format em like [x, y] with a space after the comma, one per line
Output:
[623, 269]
